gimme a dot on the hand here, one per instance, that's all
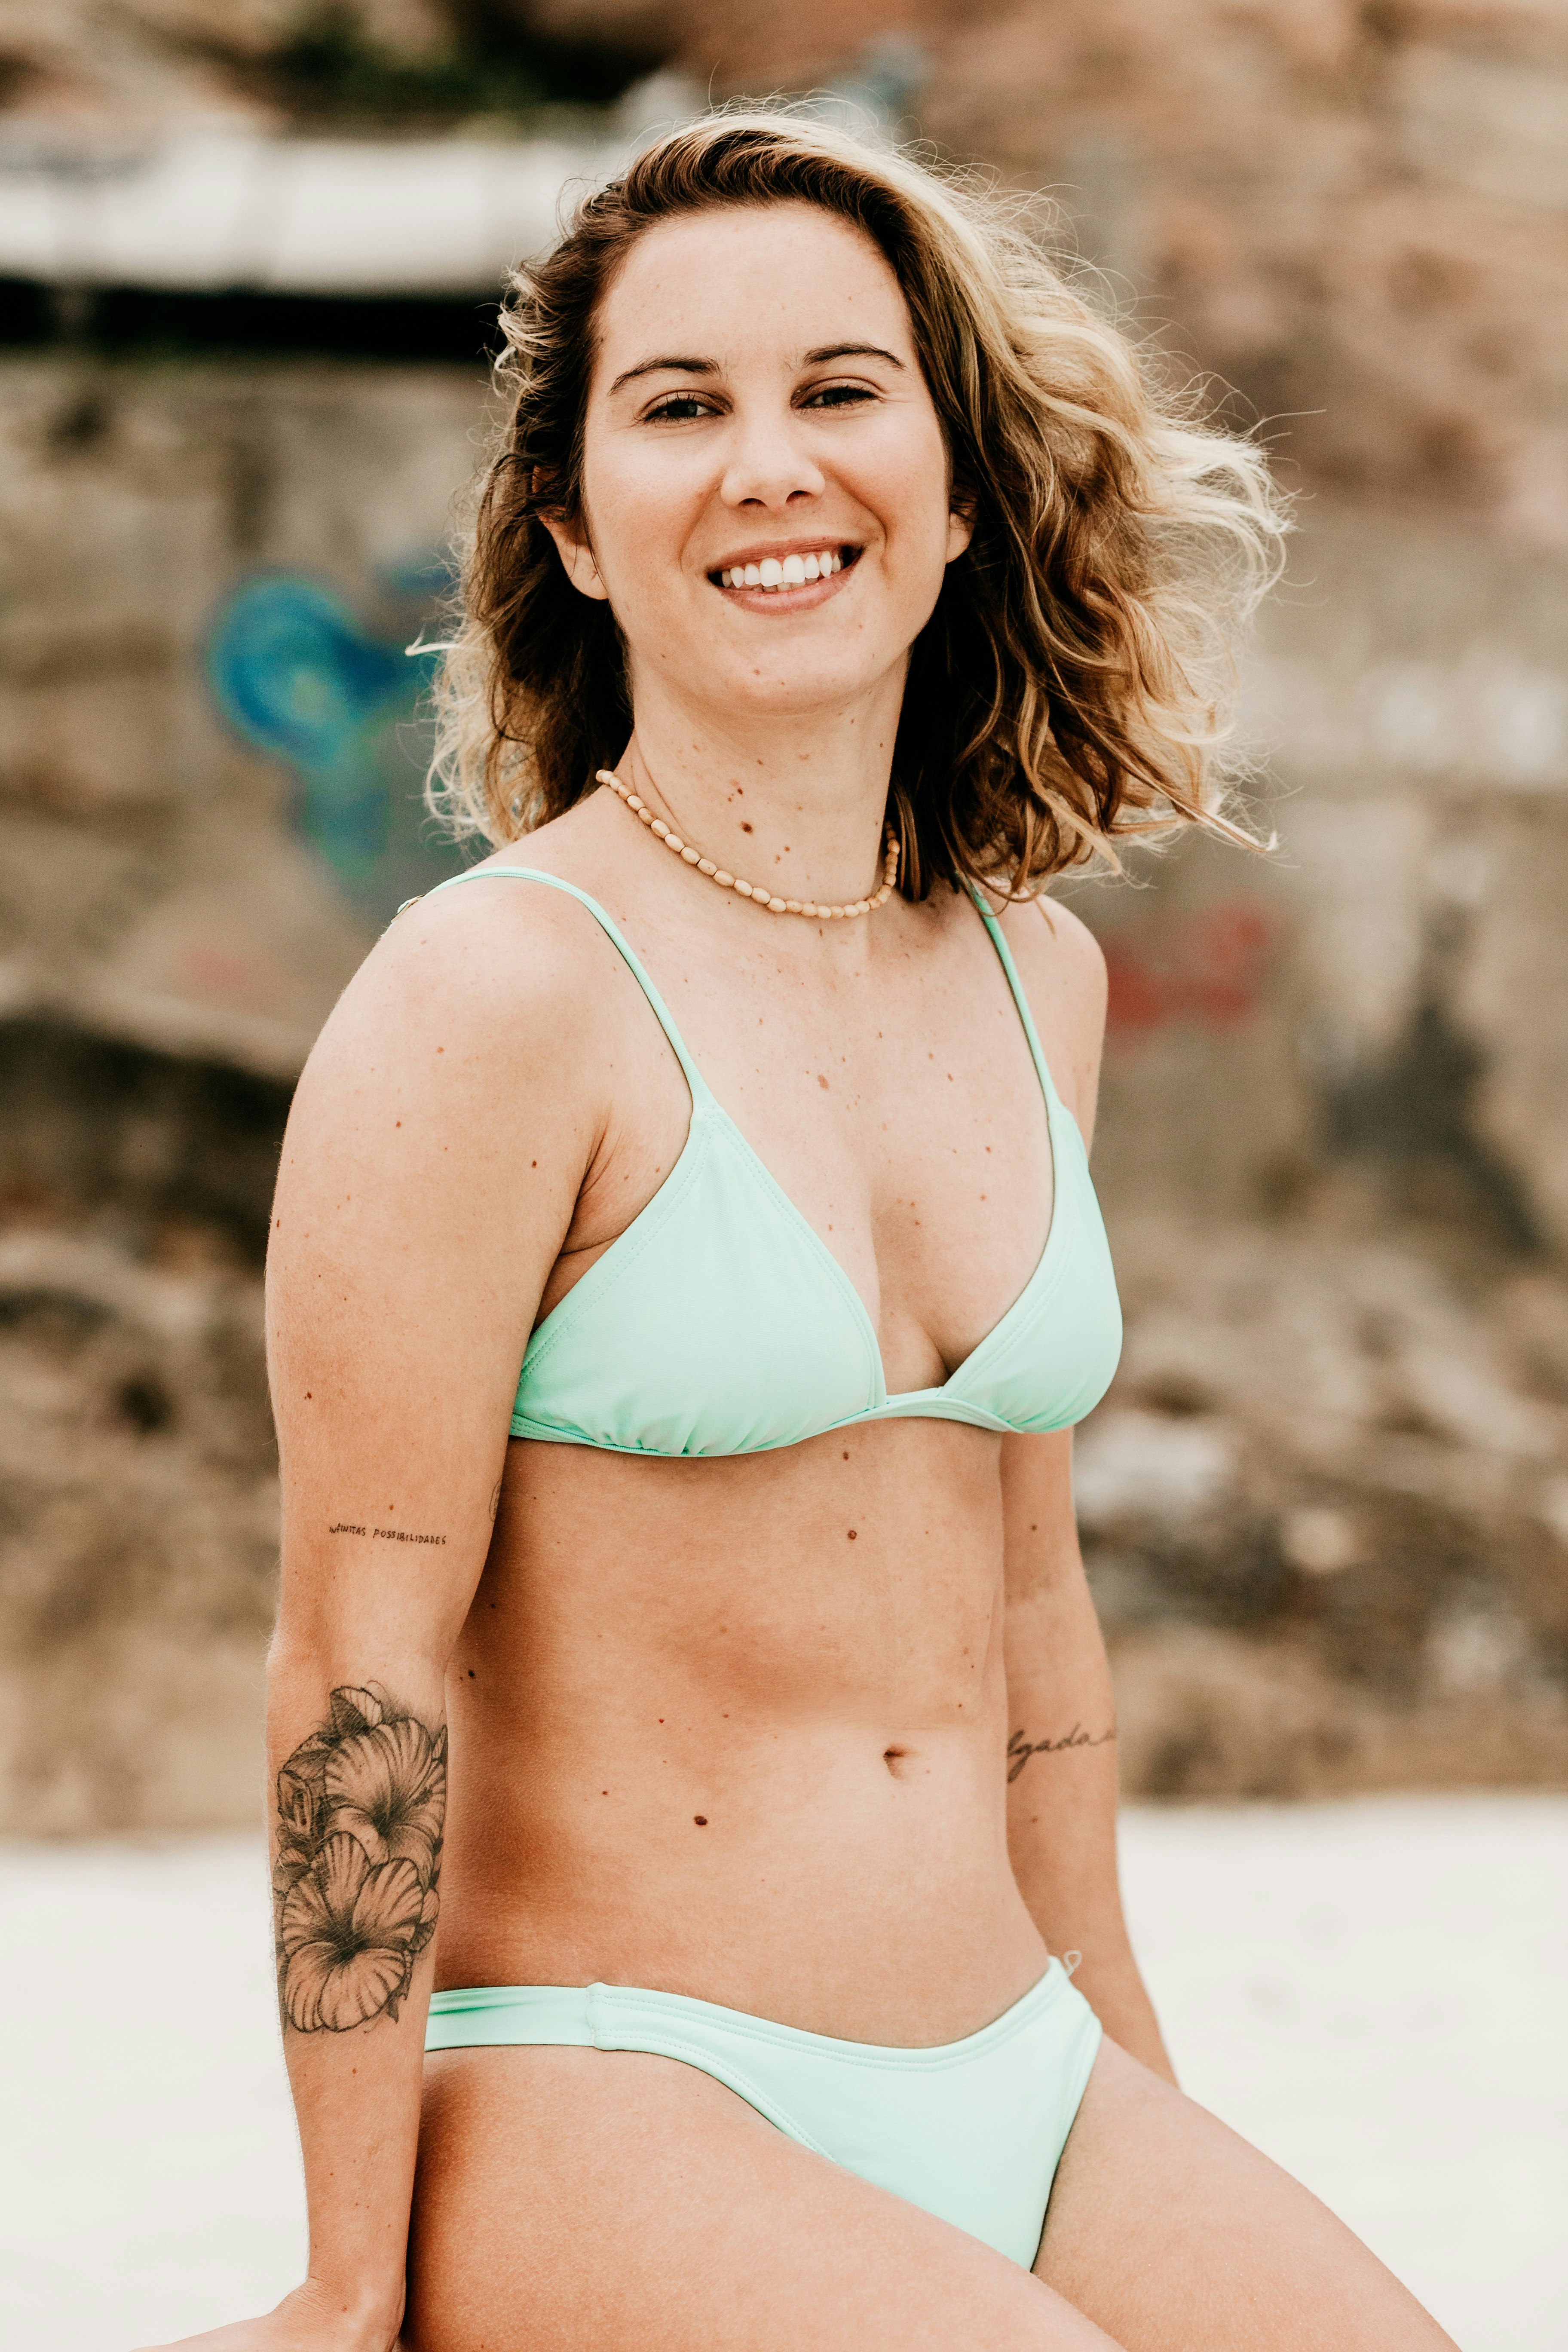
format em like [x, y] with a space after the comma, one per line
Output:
[310, 2319]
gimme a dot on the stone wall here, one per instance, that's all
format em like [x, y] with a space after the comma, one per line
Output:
[171, 935]
[1325, 1506]
[156, 877]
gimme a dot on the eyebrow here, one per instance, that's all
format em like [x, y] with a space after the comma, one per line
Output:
[853, 351]
[652, 367]
[680, 364]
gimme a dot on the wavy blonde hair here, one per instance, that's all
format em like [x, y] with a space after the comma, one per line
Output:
[1071, 688]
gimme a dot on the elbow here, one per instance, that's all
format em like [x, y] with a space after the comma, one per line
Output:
[306, 1664]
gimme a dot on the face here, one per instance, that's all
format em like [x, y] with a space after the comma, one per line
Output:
[767, 492]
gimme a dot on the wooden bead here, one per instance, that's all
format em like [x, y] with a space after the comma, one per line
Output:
[725, 881]
[661, 827]
[706, 865]
[742, 890]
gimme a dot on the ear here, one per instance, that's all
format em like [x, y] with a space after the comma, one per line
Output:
[576, 556]
[961, 506]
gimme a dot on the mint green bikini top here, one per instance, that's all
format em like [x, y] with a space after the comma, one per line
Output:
[720, 1323]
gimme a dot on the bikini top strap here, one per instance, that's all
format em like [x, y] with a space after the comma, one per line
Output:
[1005, 956]
[693, 1076]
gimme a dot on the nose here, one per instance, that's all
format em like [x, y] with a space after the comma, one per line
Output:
[769, 465]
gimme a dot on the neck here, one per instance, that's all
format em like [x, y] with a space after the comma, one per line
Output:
[795, 802]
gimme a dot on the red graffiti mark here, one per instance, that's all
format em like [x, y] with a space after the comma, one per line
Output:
[1208, 968]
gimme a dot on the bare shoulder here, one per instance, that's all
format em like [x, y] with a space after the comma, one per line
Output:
[459, 1089]
[1056, 952]
[489, 977]
[1062, 967]
[435, 1151]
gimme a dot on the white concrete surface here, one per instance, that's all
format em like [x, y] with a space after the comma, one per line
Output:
[1374, 1993]
[348, 216]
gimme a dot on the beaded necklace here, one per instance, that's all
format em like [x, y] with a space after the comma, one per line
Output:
[752, 890]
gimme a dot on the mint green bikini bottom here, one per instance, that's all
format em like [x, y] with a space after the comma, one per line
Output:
[971, 2130]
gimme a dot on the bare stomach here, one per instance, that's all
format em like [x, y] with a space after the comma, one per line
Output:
[736, 1729]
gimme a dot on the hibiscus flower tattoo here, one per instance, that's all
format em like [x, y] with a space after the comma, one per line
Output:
[360, 1808]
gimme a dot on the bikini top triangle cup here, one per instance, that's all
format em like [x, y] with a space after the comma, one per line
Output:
[720, 1323]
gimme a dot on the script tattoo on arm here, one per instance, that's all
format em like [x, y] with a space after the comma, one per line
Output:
[384, 1535]
[1020, 1748]
[361, 1805]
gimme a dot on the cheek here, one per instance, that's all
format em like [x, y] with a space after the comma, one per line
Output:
[913, 494]
[639, 516]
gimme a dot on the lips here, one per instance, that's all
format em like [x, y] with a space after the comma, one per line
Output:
[800, 568]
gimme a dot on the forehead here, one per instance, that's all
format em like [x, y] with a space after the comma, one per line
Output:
[775, 278]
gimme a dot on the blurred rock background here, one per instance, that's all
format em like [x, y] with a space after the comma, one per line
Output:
[245, 255]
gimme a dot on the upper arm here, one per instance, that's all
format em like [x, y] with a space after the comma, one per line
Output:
[432, 1160]
[1062, 967]
[1039, 1535]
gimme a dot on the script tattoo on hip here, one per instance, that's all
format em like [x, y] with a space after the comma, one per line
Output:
[1020, 1748]
[361, 1805]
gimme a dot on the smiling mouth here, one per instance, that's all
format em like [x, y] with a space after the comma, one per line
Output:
[774, 572]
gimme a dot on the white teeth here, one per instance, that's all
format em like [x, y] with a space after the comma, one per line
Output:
[793, 572]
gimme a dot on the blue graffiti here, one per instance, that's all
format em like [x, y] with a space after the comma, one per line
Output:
[295, 675]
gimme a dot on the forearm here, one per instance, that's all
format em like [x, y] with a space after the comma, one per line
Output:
[1061, 1805]
[357, 1757]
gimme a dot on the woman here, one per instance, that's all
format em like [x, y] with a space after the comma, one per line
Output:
[838, 580]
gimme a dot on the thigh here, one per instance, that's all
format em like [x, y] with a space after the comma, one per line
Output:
[601, 2201]
[1175, 2236]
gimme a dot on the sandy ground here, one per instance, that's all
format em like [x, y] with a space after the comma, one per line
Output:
[1372, 1992]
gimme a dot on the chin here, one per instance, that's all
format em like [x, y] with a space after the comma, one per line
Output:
[795, 688]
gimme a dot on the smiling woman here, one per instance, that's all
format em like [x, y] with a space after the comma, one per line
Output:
[716, 1296]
